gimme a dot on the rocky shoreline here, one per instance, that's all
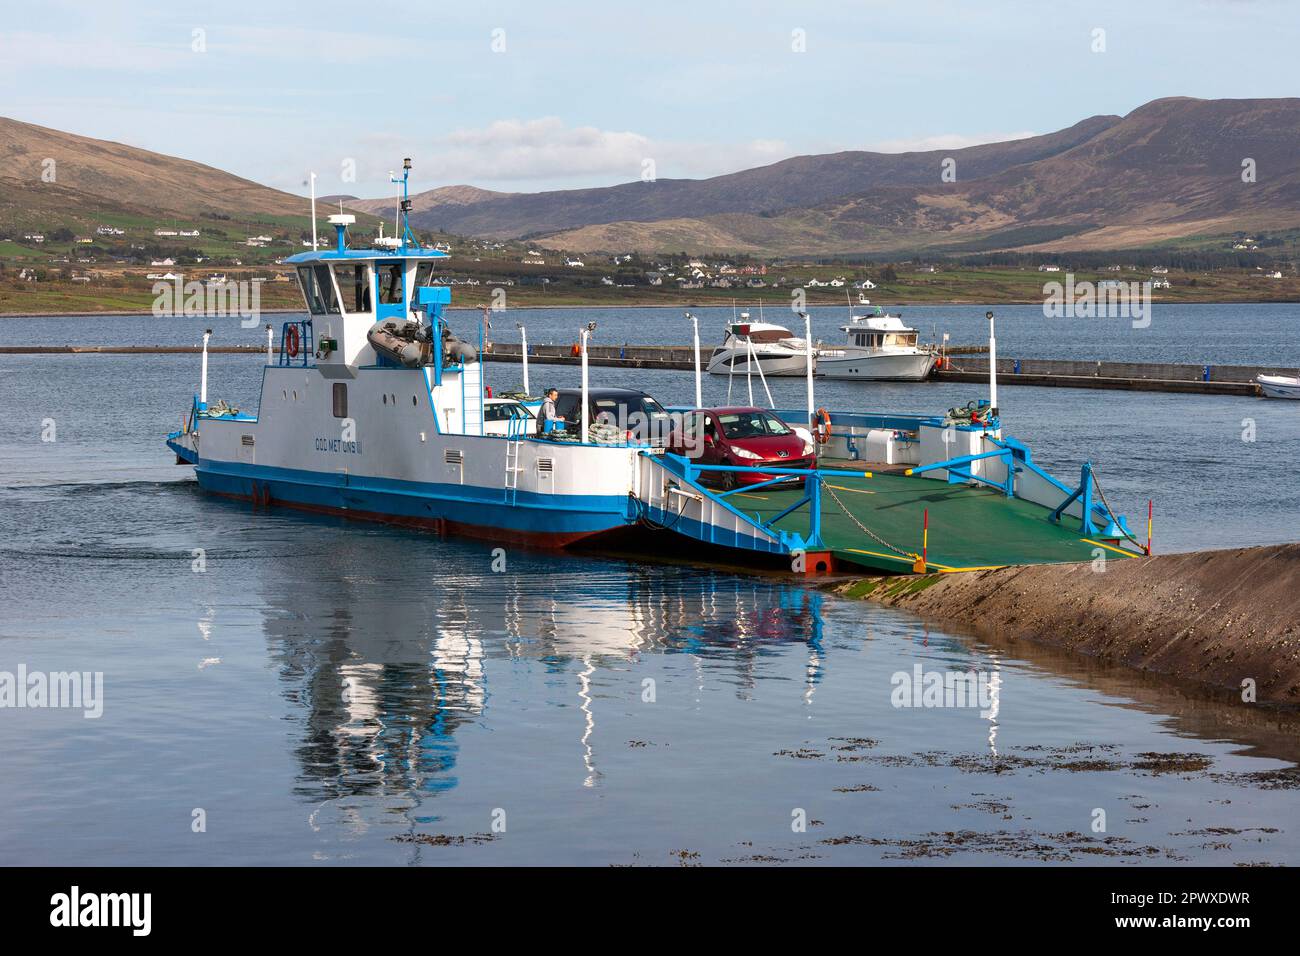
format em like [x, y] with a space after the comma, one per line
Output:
[1228, 620]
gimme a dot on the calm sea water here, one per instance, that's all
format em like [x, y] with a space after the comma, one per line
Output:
[328, 692]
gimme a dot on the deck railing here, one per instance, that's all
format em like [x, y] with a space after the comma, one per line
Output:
[812, 498]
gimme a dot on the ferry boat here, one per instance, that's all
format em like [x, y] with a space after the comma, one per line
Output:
[374, 409]
[752, 347]
[880, 348]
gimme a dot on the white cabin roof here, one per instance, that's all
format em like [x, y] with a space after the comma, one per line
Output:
[757, 327]
[876, 323]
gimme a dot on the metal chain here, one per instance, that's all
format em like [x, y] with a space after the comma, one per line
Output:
[865, 530]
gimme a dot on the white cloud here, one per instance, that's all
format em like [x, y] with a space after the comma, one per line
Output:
[547, 153]
[541, 149]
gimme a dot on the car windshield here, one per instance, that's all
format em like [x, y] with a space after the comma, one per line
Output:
[620, 411]
[752, 425]
[504, 411]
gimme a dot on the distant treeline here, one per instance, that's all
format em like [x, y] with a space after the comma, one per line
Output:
[1272, 252]
[1182, 260]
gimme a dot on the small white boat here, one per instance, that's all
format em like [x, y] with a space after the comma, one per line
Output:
[1279, 386]
[880, 349]
[750, 347]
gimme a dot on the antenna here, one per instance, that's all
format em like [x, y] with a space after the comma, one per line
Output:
[312, 177]
[402, 216]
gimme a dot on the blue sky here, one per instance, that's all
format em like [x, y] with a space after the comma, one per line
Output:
[584, 93]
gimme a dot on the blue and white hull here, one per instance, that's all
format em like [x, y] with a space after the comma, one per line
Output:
[390, 458]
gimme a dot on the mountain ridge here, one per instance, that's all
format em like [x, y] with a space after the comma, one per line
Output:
[1168, 171]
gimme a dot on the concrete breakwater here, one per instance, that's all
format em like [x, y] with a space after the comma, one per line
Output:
[680, 357]
[966, 363]
[1226, 619]
[1134, 376]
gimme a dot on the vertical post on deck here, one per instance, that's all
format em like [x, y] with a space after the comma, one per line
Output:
[523, 340]
[993, 368]
[808, 357]
[312, 177]
[203, 375]
[585, 413]
[699, 395]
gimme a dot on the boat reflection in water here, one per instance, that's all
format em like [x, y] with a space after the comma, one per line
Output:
[387, 672]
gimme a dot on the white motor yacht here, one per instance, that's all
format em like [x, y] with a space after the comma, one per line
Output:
[749, 347]
[1279, 386]
[880, 348]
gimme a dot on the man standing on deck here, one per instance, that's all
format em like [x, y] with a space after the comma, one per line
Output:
[548, 412]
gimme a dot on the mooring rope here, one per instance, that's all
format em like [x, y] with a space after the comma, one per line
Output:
[643, 509]
[865, 530]
[1109, 510]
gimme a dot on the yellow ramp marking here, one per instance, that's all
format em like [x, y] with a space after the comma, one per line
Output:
[944, 568]
[877, 554]
[860, 491]
[1126, 553]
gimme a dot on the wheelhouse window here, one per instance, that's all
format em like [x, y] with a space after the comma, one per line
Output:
[318, 289]
[307, 283]
[423, 275]
[340, 400]
[390, 283]
[354, 287]
[325, 288]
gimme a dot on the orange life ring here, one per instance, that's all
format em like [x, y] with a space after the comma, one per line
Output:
[822, 426]
[576, 350]
[291, 341]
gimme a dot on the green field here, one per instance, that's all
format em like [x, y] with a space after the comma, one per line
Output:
[132, 292]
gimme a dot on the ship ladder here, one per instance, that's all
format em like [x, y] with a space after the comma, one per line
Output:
[512, 471]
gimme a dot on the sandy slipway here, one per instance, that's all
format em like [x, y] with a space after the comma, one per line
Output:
[1213, 617]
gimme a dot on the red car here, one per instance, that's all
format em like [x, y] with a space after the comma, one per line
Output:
[745, 437]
